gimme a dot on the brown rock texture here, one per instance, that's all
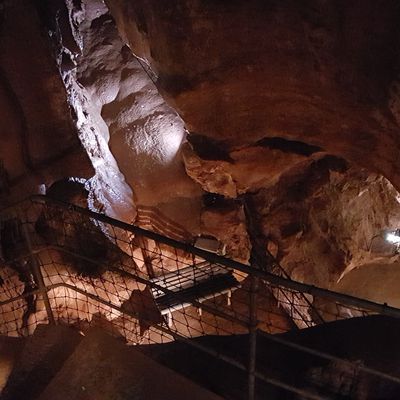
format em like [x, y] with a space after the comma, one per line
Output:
[321, 73]
[293, 105]
[227, 223]
[103, 368]
[132, 136]
[375, 281]
[38, 141]
[325, 221]
[249, 169]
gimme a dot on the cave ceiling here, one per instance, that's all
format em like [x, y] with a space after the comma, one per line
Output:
[190, 106]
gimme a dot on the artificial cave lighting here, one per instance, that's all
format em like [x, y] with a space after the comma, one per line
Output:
[393, 237]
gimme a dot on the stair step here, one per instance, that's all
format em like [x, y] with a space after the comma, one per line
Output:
[43, 355]
[104, 368]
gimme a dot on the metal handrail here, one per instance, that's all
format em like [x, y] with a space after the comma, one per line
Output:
[147, 215]
[154, 285]
[121, 272]
[275, 338]
[256, 274]
[199, 346]
[229, 263]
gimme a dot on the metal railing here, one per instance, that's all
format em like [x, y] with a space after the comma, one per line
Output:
[65, 264]
[150, 218]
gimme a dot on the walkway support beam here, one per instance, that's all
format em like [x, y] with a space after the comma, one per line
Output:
[37, 274]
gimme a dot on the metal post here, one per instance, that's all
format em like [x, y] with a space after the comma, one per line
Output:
[252, 338]
[146, 257]
[37, 274]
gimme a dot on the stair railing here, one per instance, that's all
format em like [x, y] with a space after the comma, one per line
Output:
[58, 285]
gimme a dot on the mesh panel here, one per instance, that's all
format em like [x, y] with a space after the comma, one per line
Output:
[87, 270]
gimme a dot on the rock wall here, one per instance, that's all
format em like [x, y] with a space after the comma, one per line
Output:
[325, 221]
[131, 135]
[38, 141]
[321, 73]
[295, 106]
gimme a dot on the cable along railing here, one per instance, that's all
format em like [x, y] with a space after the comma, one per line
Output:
[64, 264]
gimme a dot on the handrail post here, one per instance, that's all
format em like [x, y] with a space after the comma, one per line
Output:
[37, 274]
[253, 323]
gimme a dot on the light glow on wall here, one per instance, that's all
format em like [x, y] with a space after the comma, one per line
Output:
[393, 237]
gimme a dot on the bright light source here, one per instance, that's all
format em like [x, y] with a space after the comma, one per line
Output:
[393, 237]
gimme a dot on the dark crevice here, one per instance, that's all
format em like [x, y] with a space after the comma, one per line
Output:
[208, 148]
[289, 146]
[213, 200]
[18, 109]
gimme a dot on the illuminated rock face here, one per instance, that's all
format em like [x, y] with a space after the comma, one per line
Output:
[228, 225]
[295, 107]
[325, 222]
[131, 135]
[248, 169]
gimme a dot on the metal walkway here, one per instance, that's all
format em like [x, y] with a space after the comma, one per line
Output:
[68, 265]
[193, 283]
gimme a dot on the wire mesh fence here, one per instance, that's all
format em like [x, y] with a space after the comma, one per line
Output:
[67, 265]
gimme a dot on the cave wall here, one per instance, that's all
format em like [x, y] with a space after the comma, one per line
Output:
[328, 220]
[293, 103]
[131, 135]
[38, 140]
[318, 72]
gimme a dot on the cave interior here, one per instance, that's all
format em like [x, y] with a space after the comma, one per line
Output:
[259, 140]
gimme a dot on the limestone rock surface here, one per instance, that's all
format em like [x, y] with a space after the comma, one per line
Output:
[325, 74]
